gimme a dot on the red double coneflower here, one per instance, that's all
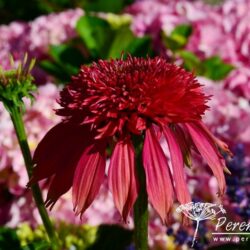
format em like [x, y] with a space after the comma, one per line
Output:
[110, 102]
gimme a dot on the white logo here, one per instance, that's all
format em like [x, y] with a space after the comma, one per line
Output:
[199, 211]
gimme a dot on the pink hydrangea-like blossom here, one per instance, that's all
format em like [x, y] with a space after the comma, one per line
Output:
[151, 16]
[227, 24]
[53, 29]
[238, 82]
[229, 115]
[13, 40]
[35, 37]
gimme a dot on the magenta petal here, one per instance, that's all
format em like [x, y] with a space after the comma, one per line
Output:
[49, 152]
[122, 177]
[57, 155]
[184, 142]
[60, 184]
[222, 145]
[159, 184]
[208, 151]
[63, 178]
[50, 140]
[88, 176]
[57, 147]
[182, 192]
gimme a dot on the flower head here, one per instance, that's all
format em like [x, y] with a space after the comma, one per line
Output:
[16, 82]
[111, 103]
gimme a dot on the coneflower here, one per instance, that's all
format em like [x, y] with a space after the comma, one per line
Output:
[112, 104]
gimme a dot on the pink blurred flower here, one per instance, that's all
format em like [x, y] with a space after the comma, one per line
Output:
[227, 24]
[239, 82]
[53, 29]
[229, 116]
[13, 175]
[151, 16]
[37, 119]
[36, 36]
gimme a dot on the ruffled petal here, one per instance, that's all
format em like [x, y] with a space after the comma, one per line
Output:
[181, 189]
[159, 184]
[122, 177]
[207, 148]
[89, 175]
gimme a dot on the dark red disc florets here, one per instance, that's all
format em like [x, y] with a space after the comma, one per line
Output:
[122, 96]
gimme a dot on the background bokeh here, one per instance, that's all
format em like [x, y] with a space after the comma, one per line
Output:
[210, 38]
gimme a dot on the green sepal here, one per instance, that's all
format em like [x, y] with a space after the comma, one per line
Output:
[17, 83]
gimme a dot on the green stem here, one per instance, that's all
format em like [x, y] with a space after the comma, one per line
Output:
[141, 211]
[16, 117]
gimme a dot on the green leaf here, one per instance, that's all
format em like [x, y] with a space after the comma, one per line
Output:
[99, 39]
[182, 30]
[67, 55]
[66, 61]
[140, 47]
[178, 37]
[96, 34]
[113, 6]
[37, 245]
[120, 43]
[215, 68]
[111, 237]
[55, 70]
[125, 41]
[9, 239]
[191, 61]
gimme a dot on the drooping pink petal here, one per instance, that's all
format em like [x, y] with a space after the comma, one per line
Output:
[159, 184]
[89, 175]
[209, 152]
[181, 189]
[60, 184]
[122, 177]
[222, 145]
[184, 143]
[63, 178]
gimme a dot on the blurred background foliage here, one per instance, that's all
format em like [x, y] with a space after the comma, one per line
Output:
[109, 37]
[112, 37]
[98, 39]
[28, 10]
[75, 237]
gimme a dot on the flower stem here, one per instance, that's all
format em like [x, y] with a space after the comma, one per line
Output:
[141, 211]
[16, 117]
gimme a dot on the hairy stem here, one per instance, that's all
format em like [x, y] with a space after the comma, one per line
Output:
[16, 117]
